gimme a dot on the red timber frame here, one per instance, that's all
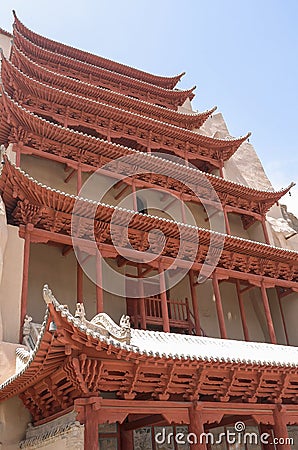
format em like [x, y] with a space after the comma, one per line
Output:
[33, 135]
[44, 215]
[57, 47]
[110, 123]
[102, 77]
[72, 369]
[31, 70]
[63, 82]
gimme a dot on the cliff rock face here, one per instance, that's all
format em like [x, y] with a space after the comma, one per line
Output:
[289, 217]
[244, 166]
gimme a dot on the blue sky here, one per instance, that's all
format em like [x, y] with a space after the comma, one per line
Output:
[241, 55]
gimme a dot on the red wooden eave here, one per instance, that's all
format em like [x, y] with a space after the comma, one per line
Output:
[239, 198]
[63, 82]
[75, 361]
[195, 145]
[57, 47]
[98, 76]
[28, 201]
[13, 76]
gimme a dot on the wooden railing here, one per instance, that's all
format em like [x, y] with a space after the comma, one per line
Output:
[180, 315]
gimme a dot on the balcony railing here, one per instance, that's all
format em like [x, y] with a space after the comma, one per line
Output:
[180, 315]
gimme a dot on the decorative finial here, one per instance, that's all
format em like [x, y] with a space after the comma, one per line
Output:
[47, 294]
[80, 311]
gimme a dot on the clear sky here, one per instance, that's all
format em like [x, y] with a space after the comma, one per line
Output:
[241, 55]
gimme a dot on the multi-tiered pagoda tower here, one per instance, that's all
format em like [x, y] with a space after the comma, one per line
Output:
[192, 357]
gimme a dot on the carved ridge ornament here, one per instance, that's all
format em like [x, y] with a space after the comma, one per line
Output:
[101, 323]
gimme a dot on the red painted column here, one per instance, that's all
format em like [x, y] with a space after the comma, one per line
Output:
[242, 311]
[265, 231]
[134, 196]
[196, 427]
[268, 430]
[126, 437]
[280, 428]
[141, 299]
[268, 314]
[99, 289]
[18, 155]
[109, 131]
[219, 309]
[91, 429]
[283, 316]
[79, 179]
[24, 296]
[221, 172]
[164, 301]
[149, 141]
[79, 283]
[195, 304]
[183, 215]
[227, 223]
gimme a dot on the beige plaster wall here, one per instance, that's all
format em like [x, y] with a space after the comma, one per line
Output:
[236, 226]
[11, 285]
[255, 316]
[7, 360]
[290, 308]
[49, 266]
[255, 232]
[276, 315]
[10, 153]
[3, 240]
[5, 45]
[14, 418]
[48, 172]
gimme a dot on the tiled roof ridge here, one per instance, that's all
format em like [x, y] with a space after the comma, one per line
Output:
[136, 213]
[115, 74]
[133, 350]
[124, 66]
[6, 33]
[60, 75]
[149, 119]
[32, 354]
[205, 138]
[162, 335]
[147, 155]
